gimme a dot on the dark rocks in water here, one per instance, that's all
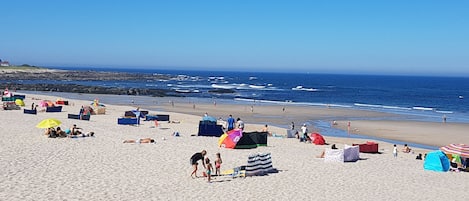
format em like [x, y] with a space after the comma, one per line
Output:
[221, 91]
[66, 75]
[74, 88]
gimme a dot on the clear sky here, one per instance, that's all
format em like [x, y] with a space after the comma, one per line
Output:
[324, 36]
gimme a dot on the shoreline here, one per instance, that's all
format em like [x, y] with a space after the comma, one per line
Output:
[379, 125]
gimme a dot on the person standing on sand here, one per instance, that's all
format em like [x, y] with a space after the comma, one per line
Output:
[304, 130]
[394, 151]
[240, 123]
[208, 170]
[444, 118]
[231, 122]
[196, 157]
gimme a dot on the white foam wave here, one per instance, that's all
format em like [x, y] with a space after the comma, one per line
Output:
[444, 112]
[381, 106]
[422, 108]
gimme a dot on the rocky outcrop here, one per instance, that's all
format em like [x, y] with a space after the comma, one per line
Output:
[10, 78]
[74, 88]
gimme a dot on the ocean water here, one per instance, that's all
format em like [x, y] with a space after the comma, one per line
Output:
[414, 97]
[419, 98]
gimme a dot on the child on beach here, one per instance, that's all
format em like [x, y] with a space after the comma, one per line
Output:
[208, 169]
[218, 162]
[394, 151]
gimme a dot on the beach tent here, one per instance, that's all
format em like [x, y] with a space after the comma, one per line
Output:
[210, 128]
[368, 147]
[436, 161]
[351, 153]
[209, 118]
[259, 164]
[19, 102]
[334, 155]
[46, 103]
[318, 139]
[348, 154]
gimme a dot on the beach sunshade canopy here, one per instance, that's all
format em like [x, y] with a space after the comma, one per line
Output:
[229, 139]
[209, 118]
[460, 149]
[318, 139]
[48, 123]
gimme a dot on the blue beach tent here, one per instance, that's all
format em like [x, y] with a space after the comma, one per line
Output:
[436, 161]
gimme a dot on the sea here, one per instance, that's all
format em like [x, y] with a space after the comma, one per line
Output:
[420, 98]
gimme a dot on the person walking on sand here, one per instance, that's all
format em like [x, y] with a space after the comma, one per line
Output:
[196, 157]
[394, 151]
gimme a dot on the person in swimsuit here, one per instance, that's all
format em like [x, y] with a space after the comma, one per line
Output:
[218, 162]
[140, 141]
[208, 169]
[196, 157]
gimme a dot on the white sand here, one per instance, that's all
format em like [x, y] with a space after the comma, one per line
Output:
[34, 167]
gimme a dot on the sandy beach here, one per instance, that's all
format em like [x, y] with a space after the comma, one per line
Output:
[34, 167]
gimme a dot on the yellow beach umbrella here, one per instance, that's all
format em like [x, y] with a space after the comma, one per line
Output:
[19, 102]
[48, 123]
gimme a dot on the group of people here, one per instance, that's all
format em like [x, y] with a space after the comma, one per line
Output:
[232, 123]
[73, 132]
[206, 164]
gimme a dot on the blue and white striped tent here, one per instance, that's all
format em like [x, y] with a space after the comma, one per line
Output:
[259, 164]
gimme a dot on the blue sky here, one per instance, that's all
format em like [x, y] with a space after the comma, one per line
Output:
[360, 37]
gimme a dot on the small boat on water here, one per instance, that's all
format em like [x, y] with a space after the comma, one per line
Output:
[461, 97]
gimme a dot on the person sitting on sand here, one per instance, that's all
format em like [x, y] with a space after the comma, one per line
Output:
[266, 130]
[87, 134]
[406, 149]
[74, 130]
[48, 131]
[419, 157]
[324, 152]
[141, 141]
[60, 132]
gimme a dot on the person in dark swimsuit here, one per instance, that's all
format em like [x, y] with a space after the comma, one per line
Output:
[196, 157]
